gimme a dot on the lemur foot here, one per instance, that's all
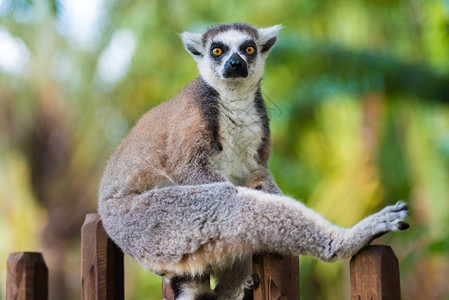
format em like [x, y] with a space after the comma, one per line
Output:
[252, 282]
[391, 218]
[244, 290]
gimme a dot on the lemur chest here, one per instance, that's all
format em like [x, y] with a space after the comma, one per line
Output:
[240, 133]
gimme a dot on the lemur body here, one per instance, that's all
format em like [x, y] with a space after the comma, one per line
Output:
[181, 194]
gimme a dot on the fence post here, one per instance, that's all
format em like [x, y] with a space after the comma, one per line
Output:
[167, 292]
[101, 263]
[279, 277]
[375, 274]
[27, 277]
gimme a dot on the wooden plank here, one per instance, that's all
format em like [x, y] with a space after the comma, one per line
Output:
[167, 292]
[375, 274]
[27, 277]
[101, 263]
[279, 277]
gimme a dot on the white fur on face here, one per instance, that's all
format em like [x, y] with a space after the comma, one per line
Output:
[233, 39]
[214, 77]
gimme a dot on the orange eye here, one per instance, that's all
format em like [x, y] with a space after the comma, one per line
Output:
[250, 50]
[217, 51]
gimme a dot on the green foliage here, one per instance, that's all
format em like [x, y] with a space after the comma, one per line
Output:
[357, 93]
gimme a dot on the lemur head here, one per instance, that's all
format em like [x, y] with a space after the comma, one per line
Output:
[231, 54]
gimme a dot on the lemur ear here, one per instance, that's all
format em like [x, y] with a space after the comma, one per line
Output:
[267, 37]
[193, 43]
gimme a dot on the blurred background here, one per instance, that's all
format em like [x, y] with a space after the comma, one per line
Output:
[357, 93]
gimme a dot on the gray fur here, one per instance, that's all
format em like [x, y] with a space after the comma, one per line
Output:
[188, 193]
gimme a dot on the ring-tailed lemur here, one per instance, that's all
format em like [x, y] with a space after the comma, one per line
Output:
[188, 193]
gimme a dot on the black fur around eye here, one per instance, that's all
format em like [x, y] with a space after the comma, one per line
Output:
[248, 48]
[217, 49]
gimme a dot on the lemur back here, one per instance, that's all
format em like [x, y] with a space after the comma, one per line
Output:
[188, 193]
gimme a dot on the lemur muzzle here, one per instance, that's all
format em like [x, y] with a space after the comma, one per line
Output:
[235, 67]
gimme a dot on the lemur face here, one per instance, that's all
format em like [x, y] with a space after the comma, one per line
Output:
[231, 53]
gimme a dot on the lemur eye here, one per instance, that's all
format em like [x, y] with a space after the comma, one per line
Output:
[217, 51]
[250, 50]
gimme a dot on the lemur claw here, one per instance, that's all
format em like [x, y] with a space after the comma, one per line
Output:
[403, 225]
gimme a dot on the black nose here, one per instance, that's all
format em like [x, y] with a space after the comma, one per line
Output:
[235, 63]
[235, 66]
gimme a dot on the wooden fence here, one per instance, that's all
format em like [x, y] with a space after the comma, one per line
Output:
[374, 272]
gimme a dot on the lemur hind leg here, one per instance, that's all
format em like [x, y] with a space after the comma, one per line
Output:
[236, 281]
[183, 229]
[192, 288]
